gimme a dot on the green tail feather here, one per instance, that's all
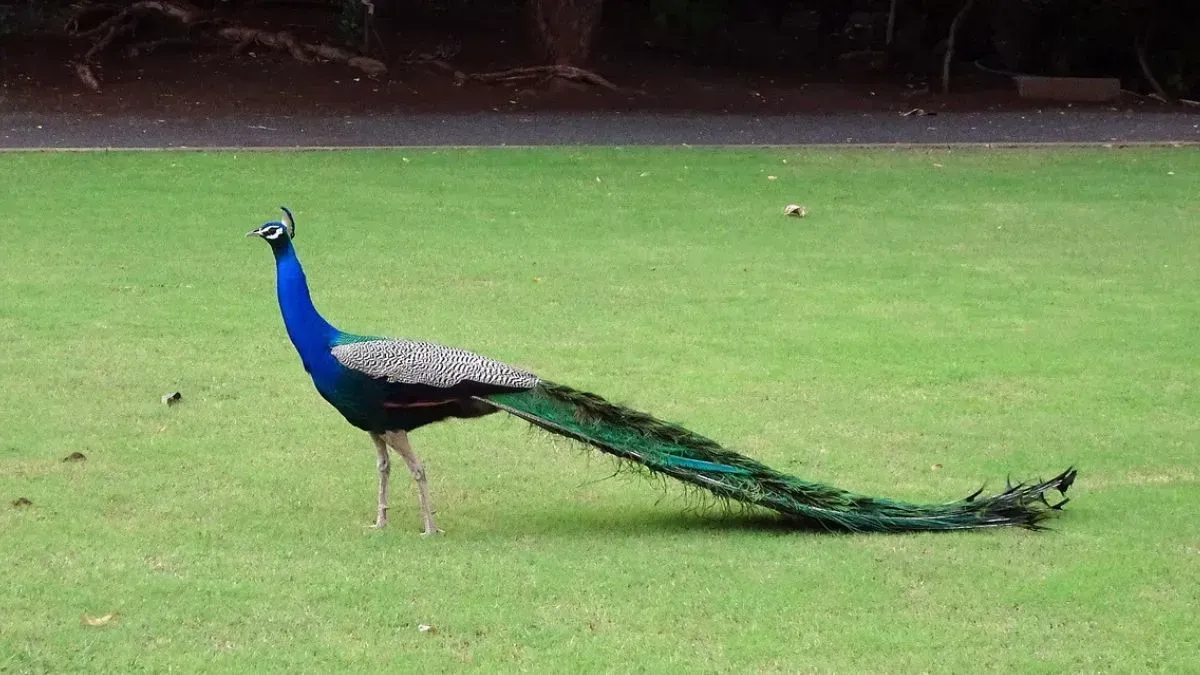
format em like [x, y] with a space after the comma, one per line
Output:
[681, 454]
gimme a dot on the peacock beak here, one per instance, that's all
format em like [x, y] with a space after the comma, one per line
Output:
[254, 233]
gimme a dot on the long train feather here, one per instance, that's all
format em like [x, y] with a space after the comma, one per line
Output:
[679, 453]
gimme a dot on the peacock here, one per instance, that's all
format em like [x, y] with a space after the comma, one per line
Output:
[391, 387]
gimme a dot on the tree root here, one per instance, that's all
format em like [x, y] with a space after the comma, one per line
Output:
[148, 46]
[438, 58]
[183, 12]
[565, 72]
[196, 21]
[200, 27]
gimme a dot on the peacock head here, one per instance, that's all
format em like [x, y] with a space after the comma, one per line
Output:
[278, 233]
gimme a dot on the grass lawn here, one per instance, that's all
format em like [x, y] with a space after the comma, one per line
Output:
[939, 319]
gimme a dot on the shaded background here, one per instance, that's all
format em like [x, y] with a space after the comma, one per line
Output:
[216, 57]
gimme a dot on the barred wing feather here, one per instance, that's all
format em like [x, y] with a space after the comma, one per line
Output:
[432, 365]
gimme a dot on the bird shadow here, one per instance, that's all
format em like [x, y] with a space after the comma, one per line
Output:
[589, 523]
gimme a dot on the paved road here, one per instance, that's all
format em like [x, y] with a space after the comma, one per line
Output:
[59, 131]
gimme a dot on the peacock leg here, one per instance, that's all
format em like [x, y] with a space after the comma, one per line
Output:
[399, 441]
[384, 464]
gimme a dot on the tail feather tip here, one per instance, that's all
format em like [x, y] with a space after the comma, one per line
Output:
[1066, 479]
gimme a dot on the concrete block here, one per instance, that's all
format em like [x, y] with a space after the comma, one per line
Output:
[1068, 88]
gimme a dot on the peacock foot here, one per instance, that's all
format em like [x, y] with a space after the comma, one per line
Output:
[380, 520]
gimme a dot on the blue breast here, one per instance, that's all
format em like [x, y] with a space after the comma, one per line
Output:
[359, 398]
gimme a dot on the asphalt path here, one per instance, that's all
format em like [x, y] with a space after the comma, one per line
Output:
[1056, 126]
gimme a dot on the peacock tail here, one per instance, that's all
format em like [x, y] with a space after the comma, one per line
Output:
[674, 451]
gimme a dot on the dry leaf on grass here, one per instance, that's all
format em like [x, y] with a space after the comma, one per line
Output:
[86, 620]
[935, 467]
[75, 457]
[426, 628]
[21, 501]
[796, 210]
[172, 398]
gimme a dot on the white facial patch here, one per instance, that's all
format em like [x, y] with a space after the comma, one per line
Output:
[273, 233]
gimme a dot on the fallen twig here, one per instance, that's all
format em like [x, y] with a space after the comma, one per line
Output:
[891, 24]
[84, 72]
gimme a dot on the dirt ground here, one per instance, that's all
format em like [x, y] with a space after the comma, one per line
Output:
[210, 81]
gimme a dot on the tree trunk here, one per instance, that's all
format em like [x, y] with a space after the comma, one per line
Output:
[832, 17]
[564, 29]
[950, 40]
[1013, 25]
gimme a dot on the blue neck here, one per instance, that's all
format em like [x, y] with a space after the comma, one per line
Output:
[309, 331]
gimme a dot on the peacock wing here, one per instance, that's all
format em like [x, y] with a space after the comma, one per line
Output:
[425, 364]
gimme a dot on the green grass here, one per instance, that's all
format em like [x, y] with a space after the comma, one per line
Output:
[984, 312]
